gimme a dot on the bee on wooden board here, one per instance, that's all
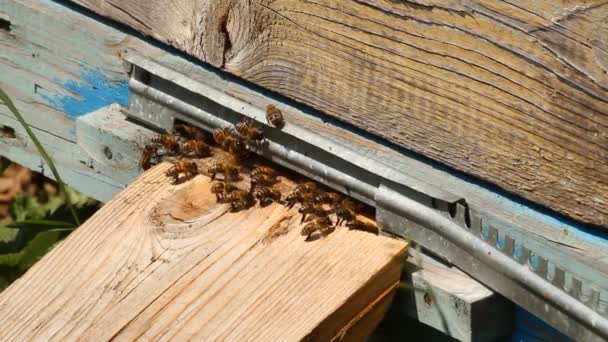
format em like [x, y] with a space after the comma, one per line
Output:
[238, 199]
[190, 132]
[229, 143]
[186, 167]
[313, 209]
[306, 187]
[145, 160]
[321, 224]
[274, 116]
[303, 192]
[266, 195]
[358, 225]
[219, 188]
[230, 172]
[346, 211]
[248, 130]
[261, 179]
[266, 170]
[168, 142]
[331, 198]
[298, 196]
[198, 147]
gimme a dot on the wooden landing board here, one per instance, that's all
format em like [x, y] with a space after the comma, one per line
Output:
[165, 262]
[512, 92]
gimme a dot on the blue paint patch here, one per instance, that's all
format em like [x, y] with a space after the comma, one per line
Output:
[501, 242]
[94, 91]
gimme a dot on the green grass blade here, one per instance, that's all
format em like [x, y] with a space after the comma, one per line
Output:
[7, 101]
[40, 224]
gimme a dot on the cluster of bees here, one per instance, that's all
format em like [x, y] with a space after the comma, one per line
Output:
[316, 204]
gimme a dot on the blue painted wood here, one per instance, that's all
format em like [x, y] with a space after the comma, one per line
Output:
[528, 328]
[95, 90]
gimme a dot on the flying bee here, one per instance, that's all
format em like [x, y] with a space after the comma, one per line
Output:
[331, 198]
[230, 172]
[238, 199]
[186, 167]
[190, 132]
[267, 195]
[169, 142]
[313, 209]
[274, 116]
[298, 196]
[266, 170]
[197, 146]
[358, 225]
[220, 188]
[322, 224]
[247, 129]
[145, 160]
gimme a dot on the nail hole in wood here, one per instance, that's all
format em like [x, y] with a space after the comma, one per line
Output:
[428, 299]
[107, 152]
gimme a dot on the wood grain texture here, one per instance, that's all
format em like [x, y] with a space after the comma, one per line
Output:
[512, 92]
[134, 271]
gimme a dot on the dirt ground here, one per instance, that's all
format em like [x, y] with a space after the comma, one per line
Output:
[16, 179]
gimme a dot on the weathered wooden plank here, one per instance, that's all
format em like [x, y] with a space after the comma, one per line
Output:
[514, 93]
[163, 261]
[448, 300]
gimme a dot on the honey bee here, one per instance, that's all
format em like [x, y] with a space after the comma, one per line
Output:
[238, 199]
[145, 160]
[234, 146]
[274, 116]
[358, 225]
[230, 172]
[306, 187]
[322, 224]
[186, 167]
[262, 179]
[331, 198]
[169, 142]
[247, 129]
[229, 143]
[347, 211]
[298, 196]
[220, 135]
[190, 132]
[267, 195]
[266, 170]
[222, 188]
[197, 146]
[303, 192]
[313, 209]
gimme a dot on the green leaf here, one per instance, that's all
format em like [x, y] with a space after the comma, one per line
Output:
[40, 224]
[34, 249]
[26, 206]
[38, 247]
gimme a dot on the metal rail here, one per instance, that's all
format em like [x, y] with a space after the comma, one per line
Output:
[405, 206]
